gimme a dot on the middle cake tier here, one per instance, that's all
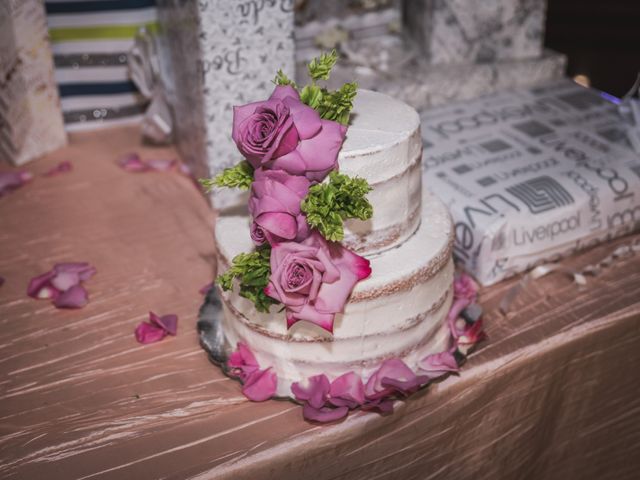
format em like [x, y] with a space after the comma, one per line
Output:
[399, 311]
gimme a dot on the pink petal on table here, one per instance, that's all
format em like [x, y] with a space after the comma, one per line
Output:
[315, 391]
[242, 362]
[169, 323]
[62, 167]
[347, 390]
[12, 180]
[382, 406]
[83, 269]
[133, 163]
[438, 364]
[36, 284]
[260, 385]
[148, 333]
[75, 297]
[65, 280]
[324, 414]
[162, 165]
[205, 289]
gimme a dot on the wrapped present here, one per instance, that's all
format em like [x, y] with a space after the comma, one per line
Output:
[457, 31]
[216, 54]
[90, 42]
[30, 117]
[384, 64]
[531, 175]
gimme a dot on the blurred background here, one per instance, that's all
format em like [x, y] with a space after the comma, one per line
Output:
[600, 38]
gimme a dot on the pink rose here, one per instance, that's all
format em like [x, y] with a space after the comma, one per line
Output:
[282, 133]
[275, 207]
[313, 279]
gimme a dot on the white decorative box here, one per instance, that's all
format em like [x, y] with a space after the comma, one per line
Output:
[457, 31]
[30, 117]
[216, 54]
[531, 176]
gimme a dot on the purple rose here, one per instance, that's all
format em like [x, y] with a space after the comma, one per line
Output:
[282, 133]
[313, 279]
[275, 207]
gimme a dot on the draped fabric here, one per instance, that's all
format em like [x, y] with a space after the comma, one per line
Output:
[552, 394]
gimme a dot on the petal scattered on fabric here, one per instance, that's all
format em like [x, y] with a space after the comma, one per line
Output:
[132, 162]
[324, 414]
[147, 333]
[12, 180]
[36, 284]
[314, 391]
[438, 364]
[347, 390]
[75, 297]
[242, 362]
[205, 288]
[169, 323]
[162, 165]
[260, 385]
[62, 167]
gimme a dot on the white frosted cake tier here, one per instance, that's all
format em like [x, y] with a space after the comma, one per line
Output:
[399, 311]
[383, 146]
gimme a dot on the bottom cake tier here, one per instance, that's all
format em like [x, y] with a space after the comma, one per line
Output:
[400, 311]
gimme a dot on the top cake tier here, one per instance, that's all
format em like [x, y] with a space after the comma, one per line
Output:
[383, 146]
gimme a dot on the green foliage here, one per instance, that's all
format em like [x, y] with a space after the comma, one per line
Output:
[320, 67]
[333, 105]
[239, 176]
[336, 105]
[282, 79]
[327, 205]
[253, 271]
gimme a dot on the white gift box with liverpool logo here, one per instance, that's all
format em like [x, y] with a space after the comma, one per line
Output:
[531, 176]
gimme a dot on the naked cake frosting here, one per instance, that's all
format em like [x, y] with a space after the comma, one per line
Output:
[338, 290]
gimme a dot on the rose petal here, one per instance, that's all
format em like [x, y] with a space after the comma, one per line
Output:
[12, 180]
[324, 414]
[242, 361]
[347, 390]
[161, 165]
[281, 224]
[306, 120]
[260, 385]
[383, 407]
[310, 314]
[283, 91]
[36, 284]
[65, 280]
[205, 288]
[320, 153]
[83, 269]
[392, 376]
[62, 167]
[169, 323]
[133, 163]
[315, 392]
[74, 297]
[438, 364]
[148, 333]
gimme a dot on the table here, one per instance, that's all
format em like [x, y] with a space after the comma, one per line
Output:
[553, 393]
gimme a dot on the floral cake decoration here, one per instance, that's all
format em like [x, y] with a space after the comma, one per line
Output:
[298, 200]
[298, 204]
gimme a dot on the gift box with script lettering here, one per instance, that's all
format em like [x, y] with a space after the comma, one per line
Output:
[30, 117]
[215, 54]
[531, 175]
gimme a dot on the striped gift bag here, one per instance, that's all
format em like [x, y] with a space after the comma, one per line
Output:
[90, 40]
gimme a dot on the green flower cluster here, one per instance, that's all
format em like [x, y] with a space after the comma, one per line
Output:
[252, 271]
[328, 205]
[333, 105]
[239, 176]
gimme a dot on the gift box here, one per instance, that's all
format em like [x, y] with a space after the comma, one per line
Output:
[531, 176]
[90, 42]
[216, 54]
[384, 64]
[30, 117]
[457, 31]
